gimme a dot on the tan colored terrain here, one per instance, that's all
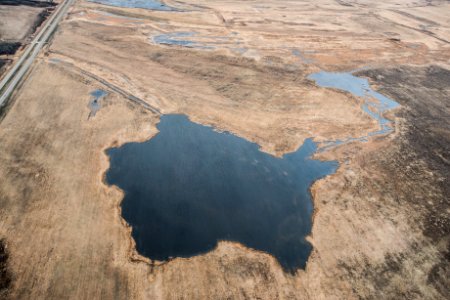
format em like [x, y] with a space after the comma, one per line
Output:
[381, 223]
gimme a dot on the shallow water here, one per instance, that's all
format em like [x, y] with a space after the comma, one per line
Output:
[148, 4]
[300, 55]
[201, 41]
[107, 15]
[175, 38]
[240, 50]
[359, 87]
[190, 186]
[183, 39]
[95, 102]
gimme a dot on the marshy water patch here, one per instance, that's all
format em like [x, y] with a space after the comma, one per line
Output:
[104, 16]
[200, 40]
[358, 87]
[188, 39]
[190, 186]
[301, 56]
[147, 4]
[176, 38]
[95, 102]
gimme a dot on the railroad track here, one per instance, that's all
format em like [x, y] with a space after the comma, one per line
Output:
[16, 74]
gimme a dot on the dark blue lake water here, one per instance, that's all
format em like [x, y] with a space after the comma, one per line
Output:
[190, 186]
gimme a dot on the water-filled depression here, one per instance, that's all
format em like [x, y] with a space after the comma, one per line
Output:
[190, 186]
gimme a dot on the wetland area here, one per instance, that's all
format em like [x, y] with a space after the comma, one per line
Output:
[231, 149]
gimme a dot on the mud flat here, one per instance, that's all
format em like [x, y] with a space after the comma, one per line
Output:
[380, 226]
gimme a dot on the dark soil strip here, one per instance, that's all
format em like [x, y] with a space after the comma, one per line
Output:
[5, 276]
[8, 48]
[425, 94]
[2, 63]
[41, 18]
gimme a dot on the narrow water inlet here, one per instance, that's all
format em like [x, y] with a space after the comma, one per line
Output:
[190, 186]
[358, 87]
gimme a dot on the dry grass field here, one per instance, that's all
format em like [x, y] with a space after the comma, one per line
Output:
[381, 222]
